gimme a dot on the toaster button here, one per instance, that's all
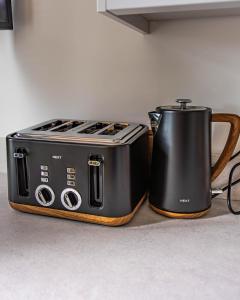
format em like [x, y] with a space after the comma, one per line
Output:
[44, 168]
[44, 174]
[71, 177]
[44, 180]
[71, 170]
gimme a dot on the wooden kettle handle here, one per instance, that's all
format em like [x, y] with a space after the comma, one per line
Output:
[231, 143]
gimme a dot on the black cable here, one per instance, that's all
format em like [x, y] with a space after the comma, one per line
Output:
[226, 188]
[230, 185]
[229, 196]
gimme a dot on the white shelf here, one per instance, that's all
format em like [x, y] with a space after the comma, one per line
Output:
[137, 14]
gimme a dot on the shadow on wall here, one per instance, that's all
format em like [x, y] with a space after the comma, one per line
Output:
[22, 14]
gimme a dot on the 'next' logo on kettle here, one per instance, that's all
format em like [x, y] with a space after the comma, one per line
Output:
[184, 200]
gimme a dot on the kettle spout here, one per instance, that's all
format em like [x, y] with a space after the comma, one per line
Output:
[155, 119]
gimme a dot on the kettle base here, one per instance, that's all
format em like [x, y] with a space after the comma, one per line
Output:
[170, 214]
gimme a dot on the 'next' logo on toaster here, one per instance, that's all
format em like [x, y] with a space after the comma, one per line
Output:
[57, 156]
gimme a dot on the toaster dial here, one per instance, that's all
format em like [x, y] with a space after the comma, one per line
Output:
[71, 199]
[44, 195]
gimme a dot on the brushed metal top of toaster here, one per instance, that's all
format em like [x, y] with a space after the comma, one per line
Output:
[79, 131]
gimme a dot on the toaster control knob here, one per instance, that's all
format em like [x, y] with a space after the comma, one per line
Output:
[44, 195]
[71, 199]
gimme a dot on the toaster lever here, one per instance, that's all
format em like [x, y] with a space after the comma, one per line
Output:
[94, 163]
[19, 155]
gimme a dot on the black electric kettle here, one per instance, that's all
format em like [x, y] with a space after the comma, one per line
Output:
[181, 172]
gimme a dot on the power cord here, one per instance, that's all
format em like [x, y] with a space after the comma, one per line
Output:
[228, 187]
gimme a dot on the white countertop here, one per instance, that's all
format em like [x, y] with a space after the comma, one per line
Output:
[151, 258]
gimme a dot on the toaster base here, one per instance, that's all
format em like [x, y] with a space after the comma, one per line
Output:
[170, 214]
[108, 221]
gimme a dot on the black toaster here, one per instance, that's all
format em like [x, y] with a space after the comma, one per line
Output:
[89, 171]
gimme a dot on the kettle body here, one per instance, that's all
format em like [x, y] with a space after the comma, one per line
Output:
[181, 172]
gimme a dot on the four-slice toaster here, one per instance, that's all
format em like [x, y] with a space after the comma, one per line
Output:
[91, 171]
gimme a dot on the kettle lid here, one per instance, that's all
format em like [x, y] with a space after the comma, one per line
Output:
[182, 107]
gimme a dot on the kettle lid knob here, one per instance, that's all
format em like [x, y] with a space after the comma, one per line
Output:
[183, 102]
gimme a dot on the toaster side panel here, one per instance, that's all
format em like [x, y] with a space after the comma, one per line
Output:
[12, 172]
[139, 161]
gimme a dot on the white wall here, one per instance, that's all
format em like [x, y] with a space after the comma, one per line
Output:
[65, 60]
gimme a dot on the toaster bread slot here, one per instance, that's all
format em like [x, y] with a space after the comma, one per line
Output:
[49, 126]
[68, 126]
[94, 128]
[113, 130]
[95, 165]
[22, 173]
